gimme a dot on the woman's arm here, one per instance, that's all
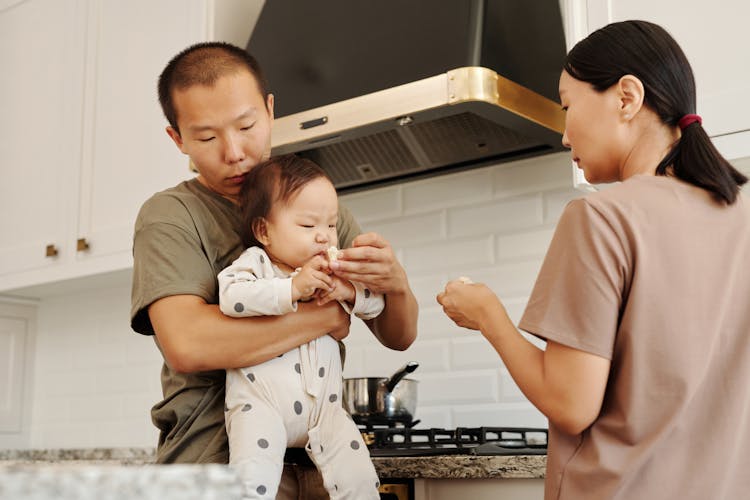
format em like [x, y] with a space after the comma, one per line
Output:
[567, 385]
[195, 336]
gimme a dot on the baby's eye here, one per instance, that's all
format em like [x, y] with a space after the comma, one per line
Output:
[308, 226]
[331, 226]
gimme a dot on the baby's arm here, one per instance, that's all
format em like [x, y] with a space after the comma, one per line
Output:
[354, 297]
[248, 287]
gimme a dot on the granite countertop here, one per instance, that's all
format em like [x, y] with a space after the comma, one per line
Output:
[431, 467]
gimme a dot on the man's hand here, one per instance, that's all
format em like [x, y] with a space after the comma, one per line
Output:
[311, 277]
[371, 261]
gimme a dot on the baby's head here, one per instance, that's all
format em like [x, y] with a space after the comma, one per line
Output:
[289, 207]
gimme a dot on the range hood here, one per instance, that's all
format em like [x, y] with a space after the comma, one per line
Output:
[379, 92]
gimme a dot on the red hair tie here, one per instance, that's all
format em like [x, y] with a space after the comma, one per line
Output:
[689, 119]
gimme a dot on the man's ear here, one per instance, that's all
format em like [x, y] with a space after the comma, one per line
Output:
[260, 230]
[269, 106]
[631, 93]
[175, 135]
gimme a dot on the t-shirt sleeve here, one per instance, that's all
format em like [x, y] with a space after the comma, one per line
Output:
[577, 297]
[168, 259]
[346, 227]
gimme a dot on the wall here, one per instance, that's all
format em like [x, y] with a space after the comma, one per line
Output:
[95, 379]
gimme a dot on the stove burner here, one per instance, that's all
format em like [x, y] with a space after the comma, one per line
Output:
[407, 441]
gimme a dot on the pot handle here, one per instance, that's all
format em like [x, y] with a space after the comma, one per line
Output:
[392, 382]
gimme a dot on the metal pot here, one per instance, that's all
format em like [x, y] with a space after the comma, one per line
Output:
[392, 398]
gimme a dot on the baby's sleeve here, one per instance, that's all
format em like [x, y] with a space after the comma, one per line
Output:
[367, 304]
[246, 288]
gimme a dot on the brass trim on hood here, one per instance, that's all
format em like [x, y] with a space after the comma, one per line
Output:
[467, 84]
[475, 83]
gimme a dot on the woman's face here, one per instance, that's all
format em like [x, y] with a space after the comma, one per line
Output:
[225, 129]
[593, 130]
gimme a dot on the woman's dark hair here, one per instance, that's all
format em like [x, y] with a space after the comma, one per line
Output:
[646, 51]
[203, 64]
[276, 180]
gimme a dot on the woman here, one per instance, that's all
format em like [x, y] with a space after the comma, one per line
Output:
[643, 295]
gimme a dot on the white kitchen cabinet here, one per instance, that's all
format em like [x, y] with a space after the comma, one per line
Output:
[16, 368]
[479, 489]
[41, 53]
[715, 41]
[83, 141]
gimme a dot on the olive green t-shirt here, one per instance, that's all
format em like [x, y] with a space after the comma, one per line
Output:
[184, 236]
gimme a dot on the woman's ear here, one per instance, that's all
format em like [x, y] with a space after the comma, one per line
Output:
[631, 94]
[260, 230]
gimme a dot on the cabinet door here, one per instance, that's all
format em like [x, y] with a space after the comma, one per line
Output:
[13, 334]
[41, 99]
[127, 153]
[714, 38]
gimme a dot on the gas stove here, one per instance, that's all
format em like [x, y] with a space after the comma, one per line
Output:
[402, 439]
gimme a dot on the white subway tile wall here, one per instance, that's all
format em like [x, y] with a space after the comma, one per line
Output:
[96, 380]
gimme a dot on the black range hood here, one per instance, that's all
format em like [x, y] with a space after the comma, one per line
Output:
[379, 92]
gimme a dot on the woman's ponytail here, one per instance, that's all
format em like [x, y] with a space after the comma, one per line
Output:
[695, 159]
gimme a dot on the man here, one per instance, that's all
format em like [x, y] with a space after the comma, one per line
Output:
[220, 115]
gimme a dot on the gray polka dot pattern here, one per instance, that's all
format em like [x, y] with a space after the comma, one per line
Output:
[332, 398]
[263, 443]
[226, 408]
[238, 307]
[297, 368]
[251, 377]
[262, 259]
[367, 293]
[322, 372]
[261, 490]
[247, 407]
[298, 408]
[354, 445]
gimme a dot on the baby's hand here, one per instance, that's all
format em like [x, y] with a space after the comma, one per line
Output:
[311, 277]
[343, 290]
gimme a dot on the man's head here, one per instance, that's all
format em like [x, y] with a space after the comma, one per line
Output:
[203, 64]
[220, 113]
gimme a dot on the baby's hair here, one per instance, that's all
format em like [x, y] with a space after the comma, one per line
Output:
[276, 180]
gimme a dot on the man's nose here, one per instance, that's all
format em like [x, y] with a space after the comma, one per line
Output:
[233, 151]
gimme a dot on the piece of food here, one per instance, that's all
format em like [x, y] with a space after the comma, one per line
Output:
[333, 253]
[464, 279]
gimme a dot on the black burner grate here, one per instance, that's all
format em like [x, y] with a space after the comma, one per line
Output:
[406, 441]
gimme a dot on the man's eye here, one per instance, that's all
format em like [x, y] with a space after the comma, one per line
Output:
[206, 139]
[247, 127]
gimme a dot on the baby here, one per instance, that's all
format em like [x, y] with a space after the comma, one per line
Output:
[290, 210]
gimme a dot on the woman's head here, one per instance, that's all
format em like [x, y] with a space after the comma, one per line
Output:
[289, 207]
[648, 54]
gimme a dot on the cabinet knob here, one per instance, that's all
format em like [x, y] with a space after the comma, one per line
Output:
[51, 251]
[82, 245]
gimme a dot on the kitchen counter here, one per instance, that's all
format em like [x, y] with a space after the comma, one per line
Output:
[434, 467]
[128, 473]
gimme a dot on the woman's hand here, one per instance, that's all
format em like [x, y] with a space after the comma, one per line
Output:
[371, 261]
[467, 304]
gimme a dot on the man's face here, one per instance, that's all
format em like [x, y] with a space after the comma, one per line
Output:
[225, 129]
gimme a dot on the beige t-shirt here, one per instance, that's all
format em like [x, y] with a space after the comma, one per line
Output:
[654, 275]
[184, 237]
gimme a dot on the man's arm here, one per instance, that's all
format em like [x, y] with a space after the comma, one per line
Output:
[371, 261]
[195, 336]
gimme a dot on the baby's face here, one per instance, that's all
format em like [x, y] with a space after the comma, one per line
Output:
[305, 226]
